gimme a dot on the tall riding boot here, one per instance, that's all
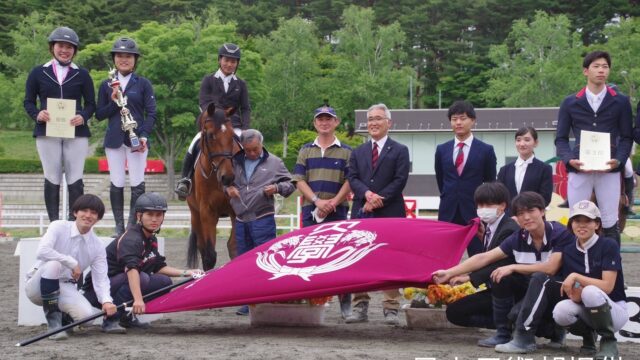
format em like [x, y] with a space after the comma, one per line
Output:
[589, 336]
[116, 194]
[628, 190]
[183, 187]
[75, 191]
[52, 200]
[501, 308]
[612, 232]
[53, 314]
[603, 325]
[136, 191]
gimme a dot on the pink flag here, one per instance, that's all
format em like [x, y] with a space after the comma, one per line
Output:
[327, 259]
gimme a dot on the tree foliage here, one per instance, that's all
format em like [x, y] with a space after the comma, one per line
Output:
[538, 65]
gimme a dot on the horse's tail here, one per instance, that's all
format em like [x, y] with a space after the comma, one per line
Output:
[192, 252]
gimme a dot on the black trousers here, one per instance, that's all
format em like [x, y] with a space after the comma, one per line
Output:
[475, 310]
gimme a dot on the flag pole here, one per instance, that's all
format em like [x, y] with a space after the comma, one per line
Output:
[95, 316]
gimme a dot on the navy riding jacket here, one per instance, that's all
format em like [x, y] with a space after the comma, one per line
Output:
[613, 117]
[42, 83]
[141, 102]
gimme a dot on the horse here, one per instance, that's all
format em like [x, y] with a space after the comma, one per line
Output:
[207, 201]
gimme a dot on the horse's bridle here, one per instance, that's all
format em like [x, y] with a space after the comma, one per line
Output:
[225, 155]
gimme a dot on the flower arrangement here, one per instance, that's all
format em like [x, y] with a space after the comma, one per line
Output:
[317, 301]
[438, 295]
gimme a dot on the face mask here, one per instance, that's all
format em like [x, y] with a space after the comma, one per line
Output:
[488, 215]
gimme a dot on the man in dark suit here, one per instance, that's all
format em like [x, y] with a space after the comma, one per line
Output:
[477, 310]
[461, 165]
[378, 172]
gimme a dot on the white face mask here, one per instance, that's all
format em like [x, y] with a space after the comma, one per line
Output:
[488, 215]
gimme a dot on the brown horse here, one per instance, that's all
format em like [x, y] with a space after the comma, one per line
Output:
[207, 200]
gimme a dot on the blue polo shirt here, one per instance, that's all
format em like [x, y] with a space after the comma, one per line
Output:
[520, 249]
[599, 254]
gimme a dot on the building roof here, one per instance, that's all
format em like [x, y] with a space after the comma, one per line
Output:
[502, 119]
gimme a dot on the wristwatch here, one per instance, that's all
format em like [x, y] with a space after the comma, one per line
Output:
[315, 198]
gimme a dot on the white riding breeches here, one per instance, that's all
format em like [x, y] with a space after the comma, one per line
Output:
[123, 157]
[60, 154]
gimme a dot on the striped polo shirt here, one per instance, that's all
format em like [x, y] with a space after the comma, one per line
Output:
[520, 249]
[324, 173]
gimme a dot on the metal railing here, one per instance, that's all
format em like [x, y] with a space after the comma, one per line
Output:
[42, 221]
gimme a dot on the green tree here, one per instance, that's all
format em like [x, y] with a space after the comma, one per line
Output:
[537, 65]
[369, 65]
[30, 37]
[291, 70]
[624, 46]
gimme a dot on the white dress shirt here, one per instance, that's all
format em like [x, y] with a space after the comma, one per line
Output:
[492, 228]
[521, 169]
[380, 143]
[63, 243]
[124, 80]
[226, 79]
[596, 99]
[465, 149]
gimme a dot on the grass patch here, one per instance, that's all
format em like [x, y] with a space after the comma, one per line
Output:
[18, 144]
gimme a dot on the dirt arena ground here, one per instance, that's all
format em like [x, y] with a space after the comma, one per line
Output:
[220, 334]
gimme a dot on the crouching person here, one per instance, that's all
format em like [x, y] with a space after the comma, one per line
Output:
[594, 284]
[65, 251]
[136, 267]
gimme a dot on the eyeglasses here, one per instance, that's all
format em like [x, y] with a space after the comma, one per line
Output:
[376, 119]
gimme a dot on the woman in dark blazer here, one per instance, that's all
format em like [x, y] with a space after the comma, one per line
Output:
[121, 154]
[61, 78]
[527, 173]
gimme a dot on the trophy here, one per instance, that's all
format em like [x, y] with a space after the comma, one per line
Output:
[128, 124]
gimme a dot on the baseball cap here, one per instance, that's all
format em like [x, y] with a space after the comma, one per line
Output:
[586, 208]
[324, 110]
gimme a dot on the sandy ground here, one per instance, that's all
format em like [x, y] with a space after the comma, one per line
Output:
[220, 334]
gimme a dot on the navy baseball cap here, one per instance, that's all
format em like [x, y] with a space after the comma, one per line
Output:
[325, 110]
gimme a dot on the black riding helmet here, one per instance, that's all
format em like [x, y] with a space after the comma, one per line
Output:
[151, 202]
[125, 45]
[229, 50]
[64, 34]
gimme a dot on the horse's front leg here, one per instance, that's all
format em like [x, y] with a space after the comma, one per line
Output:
[231, 243]
[209, 222]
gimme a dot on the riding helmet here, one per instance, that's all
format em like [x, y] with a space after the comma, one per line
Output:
[229, 50]
[125, 45]
[65, 34]
[151, 201]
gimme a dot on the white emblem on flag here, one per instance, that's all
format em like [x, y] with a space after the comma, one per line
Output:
[331, 247]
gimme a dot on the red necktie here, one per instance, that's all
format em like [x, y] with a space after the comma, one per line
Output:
[374, 155]
[460, 158]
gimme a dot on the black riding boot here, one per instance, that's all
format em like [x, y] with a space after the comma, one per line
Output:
[52, 200]
[116, 194]
[183, 187]
[613, 233]
[53, 314]
[628, 189]
[75, 191]
[136, 191]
